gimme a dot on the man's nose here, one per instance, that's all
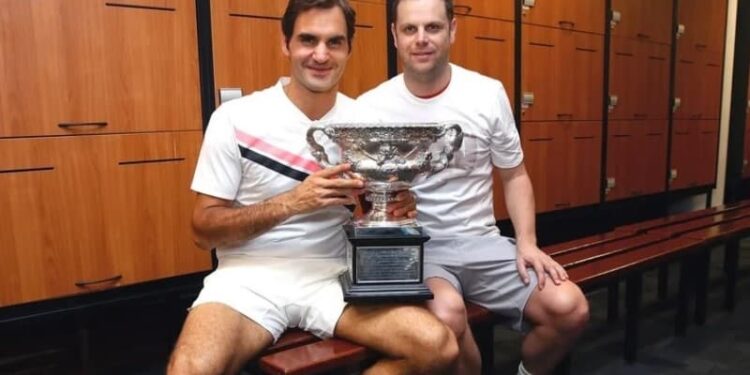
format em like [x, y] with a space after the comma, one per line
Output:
[320, 53]
[421, 36]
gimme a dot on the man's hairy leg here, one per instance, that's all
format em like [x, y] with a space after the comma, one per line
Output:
[411, 338]
[216, 339]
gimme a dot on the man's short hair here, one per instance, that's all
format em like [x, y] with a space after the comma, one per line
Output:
[295, 7]
[448, 9]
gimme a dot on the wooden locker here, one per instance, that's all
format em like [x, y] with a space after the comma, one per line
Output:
[622, 164]
[626, 74]
[645, 20]
[581, 15]
[495, 41]
[746, 160]
[652, 137]
[151, 206]
[685, 143]
[563, 71]
[687, 86]
[704, 22]
[52, 78]
[152, 65]
[563, 159]
[707, 152]
[654, 89]
[56, 238]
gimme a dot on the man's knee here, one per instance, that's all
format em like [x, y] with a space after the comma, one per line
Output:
[451, 310]
[184, 362]
[437, 351]
[567, 308]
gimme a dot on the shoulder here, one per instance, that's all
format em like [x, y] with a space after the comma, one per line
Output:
[477, 81]
[384, 89]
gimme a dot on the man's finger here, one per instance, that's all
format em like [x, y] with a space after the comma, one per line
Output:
[333, 171]
[522, 271]
[540, 274]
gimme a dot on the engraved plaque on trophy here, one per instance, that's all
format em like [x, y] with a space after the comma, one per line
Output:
[386, 256]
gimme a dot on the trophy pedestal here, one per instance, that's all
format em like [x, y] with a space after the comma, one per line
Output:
[385, 265]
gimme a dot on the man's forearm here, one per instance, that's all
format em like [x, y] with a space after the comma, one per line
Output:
[519, 199]
[221, 226]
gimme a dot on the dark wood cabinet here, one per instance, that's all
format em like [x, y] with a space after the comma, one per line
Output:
[580, 15]
[563, 160]
[694, 153]
[636, 158]
[639, 80]
[645, 20]
[562, 75]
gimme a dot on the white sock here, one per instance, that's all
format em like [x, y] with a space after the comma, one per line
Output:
[522, 370]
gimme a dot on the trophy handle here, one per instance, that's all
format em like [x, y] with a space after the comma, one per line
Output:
[454, 137]
[317, 150]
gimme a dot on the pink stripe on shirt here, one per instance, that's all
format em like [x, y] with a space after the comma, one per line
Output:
[278, 153]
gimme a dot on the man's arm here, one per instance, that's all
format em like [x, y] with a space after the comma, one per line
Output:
[216, 222]
[519, 200]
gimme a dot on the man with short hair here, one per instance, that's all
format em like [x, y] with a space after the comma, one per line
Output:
[467, 259]
[275, 218]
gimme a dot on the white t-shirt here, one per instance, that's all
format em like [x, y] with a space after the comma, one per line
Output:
[255, 148]
[458, 200]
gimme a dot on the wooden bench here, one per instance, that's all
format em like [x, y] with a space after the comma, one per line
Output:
[591, 262]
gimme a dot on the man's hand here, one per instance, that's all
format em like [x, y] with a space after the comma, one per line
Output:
[531, 256]
[405, 205]
[322, 189]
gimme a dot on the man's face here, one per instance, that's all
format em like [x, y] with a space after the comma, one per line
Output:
[318, 49]
[423, 35]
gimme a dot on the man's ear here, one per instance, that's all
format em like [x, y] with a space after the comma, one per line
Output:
[284, 46]
[393, 32]
[454, 25]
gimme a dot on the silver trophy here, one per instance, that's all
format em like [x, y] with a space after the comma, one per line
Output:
[385, 260]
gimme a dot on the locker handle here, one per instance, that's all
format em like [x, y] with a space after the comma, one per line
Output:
[84, 284]
[562, 204]
[467, 9]
[701, 45]
[69, 125]
[121, 4]
[566, 24]
[643, 36]
[640, 115]
[696, 116]
[29, 169]
[681, 133]
[565, 115]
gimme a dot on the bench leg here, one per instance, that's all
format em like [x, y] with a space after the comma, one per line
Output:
[731, 260]
[613, 302]
[702, 266]
[633, 288]
[683, 297]
[484, 335]
[663, 282]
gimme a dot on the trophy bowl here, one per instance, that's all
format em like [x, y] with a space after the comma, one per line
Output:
[387, 156]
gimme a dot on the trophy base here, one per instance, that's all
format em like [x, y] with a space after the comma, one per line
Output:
[369, 293]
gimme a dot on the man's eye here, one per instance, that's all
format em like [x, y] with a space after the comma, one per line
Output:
[434, 28]
[410, 29]
[307, 41]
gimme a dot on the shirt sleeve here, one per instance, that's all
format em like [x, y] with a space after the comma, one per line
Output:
[218, 172]
[506, 143]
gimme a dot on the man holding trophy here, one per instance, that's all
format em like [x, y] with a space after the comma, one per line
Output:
[275, 218]
[466, 257]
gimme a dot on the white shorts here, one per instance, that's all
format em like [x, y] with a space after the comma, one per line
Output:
[484, 270]
[278, 293]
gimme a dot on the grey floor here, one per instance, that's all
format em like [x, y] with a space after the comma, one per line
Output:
[721, 346]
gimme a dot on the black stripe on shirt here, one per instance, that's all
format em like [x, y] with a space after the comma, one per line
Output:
[272, 164]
